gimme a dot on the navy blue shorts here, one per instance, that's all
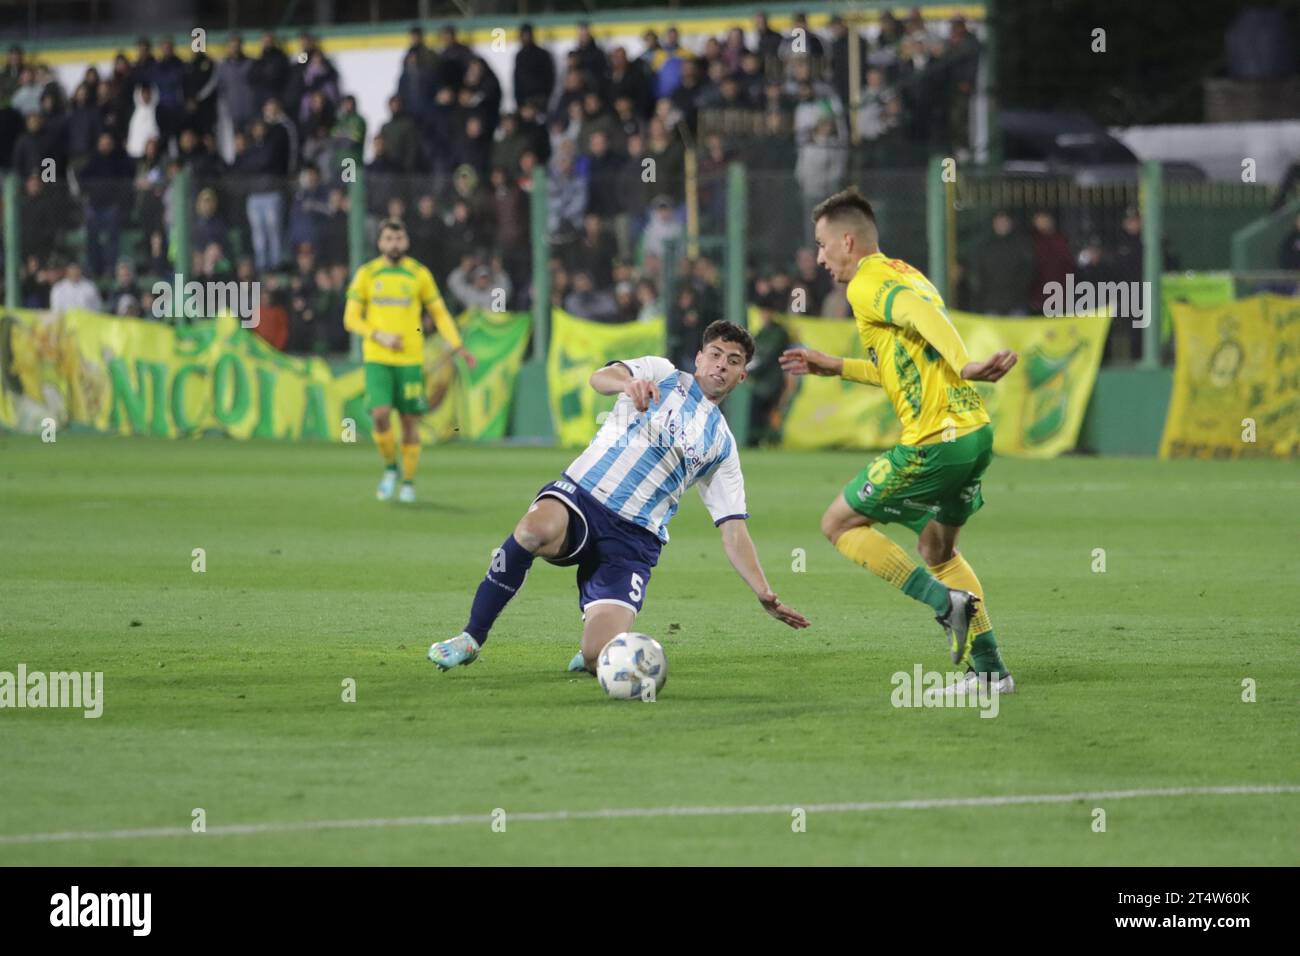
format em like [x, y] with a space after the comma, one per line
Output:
[613, 555]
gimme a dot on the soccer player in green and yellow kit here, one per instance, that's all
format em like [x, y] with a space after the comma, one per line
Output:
[930, 481]
[385, 304]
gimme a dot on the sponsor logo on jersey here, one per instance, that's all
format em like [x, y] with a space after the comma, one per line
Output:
[866, 491]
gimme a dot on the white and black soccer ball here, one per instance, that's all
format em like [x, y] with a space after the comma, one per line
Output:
[632, 667]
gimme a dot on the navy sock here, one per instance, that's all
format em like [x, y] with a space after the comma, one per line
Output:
[505, 576]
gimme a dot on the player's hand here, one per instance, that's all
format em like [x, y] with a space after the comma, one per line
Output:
[783, 613]
[992, 368]
[642, 393]
[468, 356]
[389, 340]
[803, 361]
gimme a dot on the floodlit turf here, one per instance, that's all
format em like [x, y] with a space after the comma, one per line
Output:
[224, 688]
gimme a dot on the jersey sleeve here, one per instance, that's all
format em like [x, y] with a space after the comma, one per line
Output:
[722, 487]
[908, 310]
[432, 300]
[359, 287]
[860, 370]
[354, 311]
[652, 368]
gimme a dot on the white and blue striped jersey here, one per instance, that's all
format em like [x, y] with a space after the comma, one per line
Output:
[639, 463]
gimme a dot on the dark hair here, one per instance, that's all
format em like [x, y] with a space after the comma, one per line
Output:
[730, 332]
[845, 201]
[391, 224]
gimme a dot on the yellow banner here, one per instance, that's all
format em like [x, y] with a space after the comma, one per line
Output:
[1037, 408]
[578, 348]
[1236, 380]
[133, 377]
[136, 377]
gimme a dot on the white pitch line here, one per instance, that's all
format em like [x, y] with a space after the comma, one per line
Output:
[616, 813]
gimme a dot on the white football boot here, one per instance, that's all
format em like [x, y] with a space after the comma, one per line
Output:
[387, 484]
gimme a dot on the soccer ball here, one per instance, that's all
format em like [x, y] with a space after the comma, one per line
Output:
[632, 666]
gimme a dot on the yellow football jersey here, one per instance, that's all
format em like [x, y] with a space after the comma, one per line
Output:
[391, 298]
[913, 351]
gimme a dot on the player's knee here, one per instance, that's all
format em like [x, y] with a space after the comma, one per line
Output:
[534, 533]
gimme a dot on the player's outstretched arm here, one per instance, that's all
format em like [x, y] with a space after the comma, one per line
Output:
[805, 361]
[744, 558]
[616, 379]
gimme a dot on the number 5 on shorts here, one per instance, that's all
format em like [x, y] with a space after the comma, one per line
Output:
[635, 593]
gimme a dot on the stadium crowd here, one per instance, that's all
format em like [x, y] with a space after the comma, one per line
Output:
[263, 135]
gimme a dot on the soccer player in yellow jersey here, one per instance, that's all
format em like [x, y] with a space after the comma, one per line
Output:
[930, 481]
[385, 304]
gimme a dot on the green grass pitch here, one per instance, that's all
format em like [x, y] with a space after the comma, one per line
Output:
[223, 689]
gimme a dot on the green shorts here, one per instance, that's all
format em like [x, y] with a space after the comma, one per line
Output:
[401, 386]
[916, 484]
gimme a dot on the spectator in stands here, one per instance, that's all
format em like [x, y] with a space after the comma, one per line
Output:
[125, 286]
[27, 97]
[235, 84]
[199, 84]
[308, 212]
[594, 252]
[84, 124]
[770, 388]
[263, 168]
[11, 75]
[814, 281]
[591, 58]
[401, 138]
[629, 80]
[478, 285]
[453, 59]
[106, 182]
[270, 72]
[349, 129]
[74, 291]
[962, 69]
[999, 269]
[588, 302]
[663, 229]
[168, 80]
[209, 228]
[567, 195]
[804, 41]
[821, 166]
[40, 142]
[1053, 260]
[334, 242]
[841, 38]
[43, 216]
[534, 75]
[767, 42]
[510, 215]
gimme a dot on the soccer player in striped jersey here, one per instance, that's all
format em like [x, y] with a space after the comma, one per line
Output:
[384, 306]
[608, 514]
[930, 481]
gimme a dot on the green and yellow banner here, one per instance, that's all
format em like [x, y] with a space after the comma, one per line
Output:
[1236, 380]
[138, 377]
[1037, 409]
[578, 348]
[475, 402]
